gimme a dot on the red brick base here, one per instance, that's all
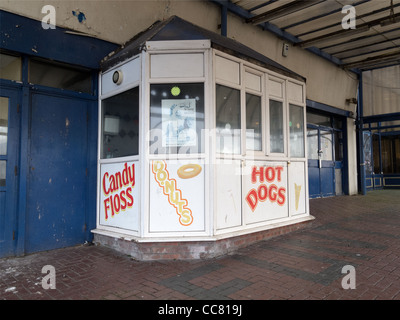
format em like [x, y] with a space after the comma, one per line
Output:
[191, 249]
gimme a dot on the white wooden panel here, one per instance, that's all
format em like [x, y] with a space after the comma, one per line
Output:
[176, 201]
[295, 92]
[227, 70]
[275, 88]
[297, 188]
[178, 45]
[130, 73]
[252, 81]
[178, 65]
[228, 194]
[265, 191]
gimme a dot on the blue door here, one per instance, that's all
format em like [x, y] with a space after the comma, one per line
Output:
[9, 150]
[57, 182]
[321, 163]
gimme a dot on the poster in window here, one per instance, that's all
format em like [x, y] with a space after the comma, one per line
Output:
[178, 122]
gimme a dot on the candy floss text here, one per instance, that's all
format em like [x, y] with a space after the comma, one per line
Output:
[117, 189]
[264, 191]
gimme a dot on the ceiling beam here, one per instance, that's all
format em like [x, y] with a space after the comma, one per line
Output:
[339, 23]
[332, 36]
[244, 14]
[382, 118]
[353, 54]
[373, 40]
[323, 15]
[347, 32]
[374, 61]
[283, 10]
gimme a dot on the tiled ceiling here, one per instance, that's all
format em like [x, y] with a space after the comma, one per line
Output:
[316, 25]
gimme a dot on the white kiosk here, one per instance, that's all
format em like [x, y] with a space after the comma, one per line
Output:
[202, 146]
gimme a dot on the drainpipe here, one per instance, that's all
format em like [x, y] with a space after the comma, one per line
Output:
[224, 21]
[361, 166]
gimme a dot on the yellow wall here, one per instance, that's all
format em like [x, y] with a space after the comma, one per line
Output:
[381, 91]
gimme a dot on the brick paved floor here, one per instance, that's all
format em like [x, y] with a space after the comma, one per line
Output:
[362, 231]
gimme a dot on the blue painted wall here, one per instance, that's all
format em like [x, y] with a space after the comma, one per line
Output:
[56, 143]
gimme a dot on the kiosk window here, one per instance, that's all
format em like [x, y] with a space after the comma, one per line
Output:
[276, 126]
[253, 122]
[176, 118]
[296, 125]
[120, 125]
[228, 120]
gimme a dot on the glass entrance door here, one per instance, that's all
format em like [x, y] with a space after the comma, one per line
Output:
[9, 142]
[321, 164]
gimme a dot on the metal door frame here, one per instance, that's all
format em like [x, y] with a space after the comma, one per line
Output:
[8, 248]
[325, 163]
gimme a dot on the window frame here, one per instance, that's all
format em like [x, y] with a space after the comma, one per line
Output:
[283, 99]
[304, 132]
[19, 62]
[201, 146]
[296, 98]
[262, 95]
[53, 67]
[101, 156]
[241, 121]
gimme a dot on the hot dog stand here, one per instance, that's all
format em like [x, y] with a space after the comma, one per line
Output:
[201, 145]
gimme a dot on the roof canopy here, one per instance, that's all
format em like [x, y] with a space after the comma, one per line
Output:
[176, 28]
[317, 26]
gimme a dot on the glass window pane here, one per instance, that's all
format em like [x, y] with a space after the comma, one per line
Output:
[120, 124]
[368, 151]
[59, 76]
[326, 145]
[338, 146]
[396, 142]
[390, 154]
[10, 67]
[318, 119]
[337, 123]
[312, 144]
[3, 125]
[228, 120]
[276, 126]
[387, 155]
[375, 152]
[176, 118]
[296, 126]
[253, 122]
[3, 173]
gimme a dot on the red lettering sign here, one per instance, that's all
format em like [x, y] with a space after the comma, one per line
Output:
[118, 189]
[263, 192]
